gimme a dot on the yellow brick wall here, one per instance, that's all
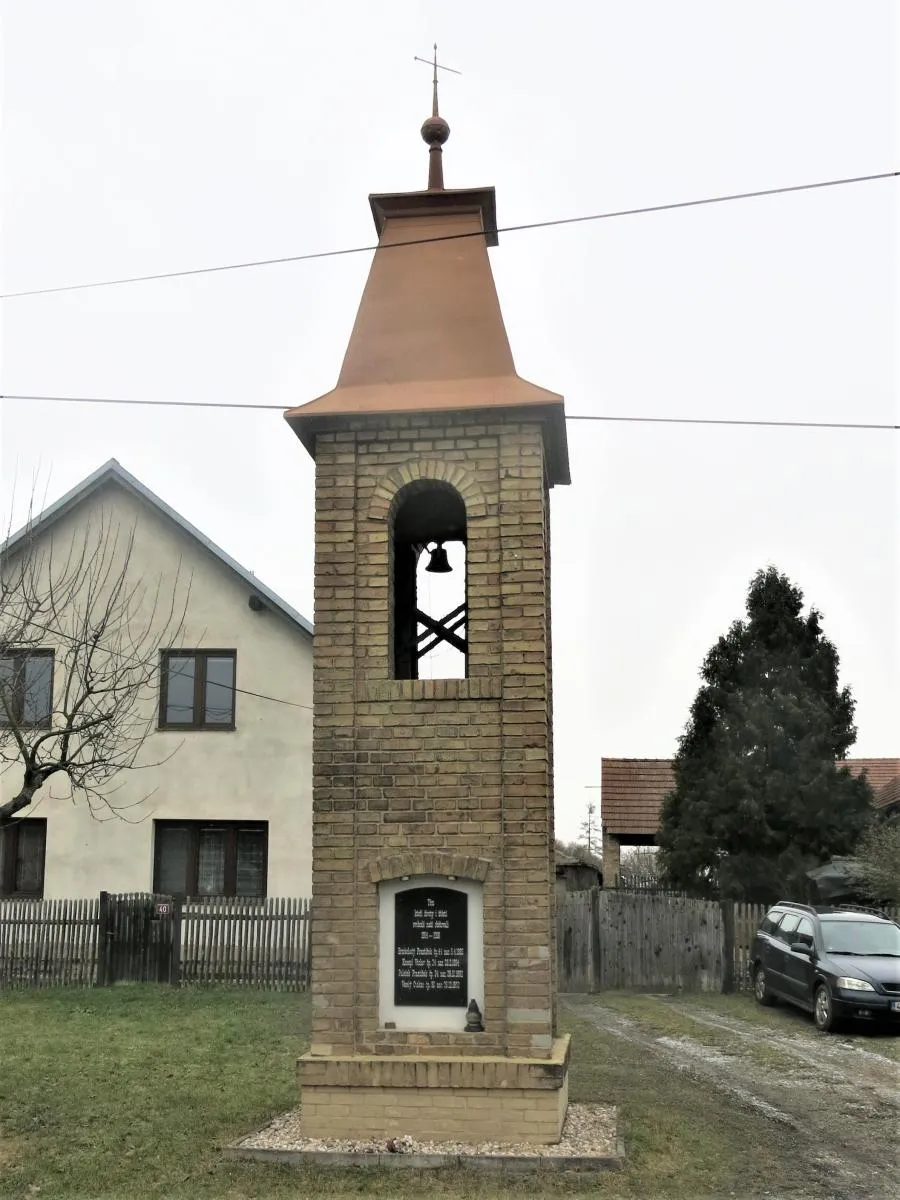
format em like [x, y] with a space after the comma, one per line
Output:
[463, 766]
[472, 1115]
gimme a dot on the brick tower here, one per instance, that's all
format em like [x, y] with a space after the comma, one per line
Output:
[433, 987]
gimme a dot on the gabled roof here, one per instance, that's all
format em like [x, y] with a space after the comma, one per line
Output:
[888, 795]
[114, 472]
[632, 790]
[879, 771]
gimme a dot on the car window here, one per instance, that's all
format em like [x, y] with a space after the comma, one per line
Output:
[861, 937]
[770, 920]
[804, 932]
[788, 925]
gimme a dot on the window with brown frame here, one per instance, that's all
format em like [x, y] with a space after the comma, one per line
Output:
[26, 688]
[210, 858]
[197, 689]
[23, 848]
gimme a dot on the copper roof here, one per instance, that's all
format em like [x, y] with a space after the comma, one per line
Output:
[632, 790]
[429, 334]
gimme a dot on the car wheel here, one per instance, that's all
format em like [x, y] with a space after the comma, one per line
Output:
[823, 1010]
[760, 987]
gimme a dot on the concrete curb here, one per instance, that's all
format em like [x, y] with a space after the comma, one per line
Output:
[429, 1162]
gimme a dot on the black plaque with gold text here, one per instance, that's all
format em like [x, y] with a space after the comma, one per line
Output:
[431, 947]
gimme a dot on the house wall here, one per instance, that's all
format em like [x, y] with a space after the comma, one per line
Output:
[259, 771]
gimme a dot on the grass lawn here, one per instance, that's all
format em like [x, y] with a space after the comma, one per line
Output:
[131, 1091]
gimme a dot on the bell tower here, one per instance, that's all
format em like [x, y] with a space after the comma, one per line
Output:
[433, 985]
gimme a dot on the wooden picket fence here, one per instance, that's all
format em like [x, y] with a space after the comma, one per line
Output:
[261, 943]
[48, 943]
[142, 938]
[655, 941]
[746, 920]
[605, 939]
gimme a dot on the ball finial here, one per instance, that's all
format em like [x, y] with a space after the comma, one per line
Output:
[435, 131]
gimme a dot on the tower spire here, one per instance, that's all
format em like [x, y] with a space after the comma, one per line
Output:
[435, 129]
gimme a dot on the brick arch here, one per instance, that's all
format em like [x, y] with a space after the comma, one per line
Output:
[389, 486]
[429, 862]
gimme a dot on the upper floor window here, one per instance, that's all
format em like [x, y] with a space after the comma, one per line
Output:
[428, 585]
[26, 687]
[197, 689]
[23, 846]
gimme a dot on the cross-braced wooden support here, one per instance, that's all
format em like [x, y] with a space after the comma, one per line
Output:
[441, 631]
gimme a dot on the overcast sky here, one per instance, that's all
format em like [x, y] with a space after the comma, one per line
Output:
[141, 138]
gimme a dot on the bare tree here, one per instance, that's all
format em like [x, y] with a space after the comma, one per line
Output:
[590, 828]
[81, 635]
[579, 851]
[876, 861]
[640, 867]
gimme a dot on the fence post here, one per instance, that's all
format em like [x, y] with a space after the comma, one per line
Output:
[727, 907]
[594, 959]
[175, 959]
[103, 941]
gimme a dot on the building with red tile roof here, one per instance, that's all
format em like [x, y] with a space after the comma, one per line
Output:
[632, 791]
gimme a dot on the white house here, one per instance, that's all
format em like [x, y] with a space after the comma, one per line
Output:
[224, 804]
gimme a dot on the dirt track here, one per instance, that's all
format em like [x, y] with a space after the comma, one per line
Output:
[836, 1097]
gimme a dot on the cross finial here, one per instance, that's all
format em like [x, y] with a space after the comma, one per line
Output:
[435, 66]
[435, 130]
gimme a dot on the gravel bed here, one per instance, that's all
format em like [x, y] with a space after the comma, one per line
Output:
[589, 1131]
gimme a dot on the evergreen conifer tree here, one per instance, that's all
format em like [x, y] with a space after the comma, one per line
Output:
[758, 797]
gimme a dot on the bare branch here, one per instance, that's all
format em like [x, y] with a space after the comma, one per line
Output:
[81, 595]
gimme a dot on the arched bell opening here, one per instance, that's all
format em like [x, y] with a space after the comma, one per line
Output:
[428, 592]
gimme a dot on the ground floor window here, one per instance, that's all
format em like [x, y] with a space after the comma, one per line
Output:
[23, 847]
[210, 858]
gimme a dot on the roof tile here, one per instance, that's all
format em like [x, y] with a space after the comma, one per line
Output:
[632, 790]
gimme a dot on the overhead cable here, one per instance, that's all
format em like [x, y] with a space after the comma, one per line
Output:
[638, 420]
[450, 237]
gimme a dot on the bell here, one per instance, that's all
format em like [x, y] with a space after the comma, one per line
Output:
[439, 564]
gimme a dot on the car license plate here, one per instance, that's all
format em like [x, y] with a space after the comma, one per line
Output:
[895, 1006]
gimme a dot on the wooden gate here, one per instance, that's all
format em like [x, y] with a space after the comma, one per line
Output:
[578, 941]
[644, 940]
[138, 939]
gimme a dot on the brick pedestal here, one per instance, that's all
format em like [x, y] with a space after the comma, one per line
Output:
[470, 1098]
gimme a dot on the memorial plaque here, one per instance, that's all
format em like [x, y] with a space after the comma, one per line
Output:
[431, 947]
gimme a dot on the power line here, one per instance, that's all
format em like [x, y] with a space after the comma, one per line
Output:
[56, 632]
[450, 237]
[143, 403]
[273, 699]
[569, 416]
[736, 421]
